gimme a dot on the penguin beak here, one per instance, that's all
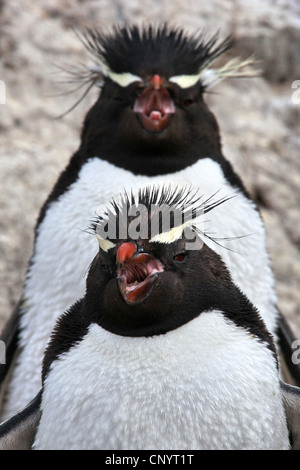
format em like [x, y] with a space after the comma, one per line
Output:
[154, 106]
[136, 273]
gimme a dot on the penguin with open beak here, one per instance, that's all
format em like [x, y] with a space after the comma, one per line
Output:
[150, 125]
[163, 352]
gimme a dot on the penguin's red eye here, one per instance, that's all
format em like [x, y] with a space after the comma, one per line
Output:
[187, 103]
[180, 257]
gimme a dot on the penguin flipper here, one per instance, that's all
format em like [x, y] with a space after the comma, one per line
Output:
[18, 432]
[291, 401]
[286, 338]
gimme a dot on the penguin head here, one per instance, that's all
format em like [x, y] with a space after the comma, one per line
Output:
[149, 74]
[153, 81]
[162, 278]
[143, 290]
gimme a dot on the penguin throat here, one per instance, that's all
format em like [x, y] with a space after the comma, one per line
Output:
[136, 279]
[154, 108]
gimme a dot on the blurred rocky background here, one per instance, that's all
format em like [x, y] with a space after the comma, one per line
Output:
[259, 117]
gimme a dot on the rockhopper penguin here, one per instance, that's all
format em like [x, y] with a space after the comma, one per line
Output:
[163, 352]
[150, 125]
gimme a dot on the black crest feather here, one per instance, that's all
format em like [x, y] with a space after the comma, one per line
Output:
[147, 50]
[150, 49]
[178, 204]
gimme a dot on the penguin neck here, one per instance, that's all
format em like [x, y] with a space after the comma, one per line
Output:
[153, 157]
[157, 155]
[159, 158]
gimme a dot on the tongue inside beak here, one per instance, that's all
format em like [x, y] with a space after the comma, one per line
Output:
[137, 276]
[154, 106]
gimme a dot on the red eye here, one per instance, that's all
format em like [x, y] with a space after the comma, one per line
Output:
[180, 257]
[187, 103]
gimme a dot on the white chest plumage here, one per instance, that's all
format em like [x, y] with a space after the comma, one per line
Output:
[63, 252]
[206, 385]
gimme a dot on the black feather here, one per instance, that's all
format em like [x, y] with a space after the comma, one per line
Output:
[162, 49]
[185, 202]
[142, 51]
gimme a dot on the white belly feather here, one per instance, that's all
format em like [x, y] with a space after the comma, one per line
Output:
[206, 385]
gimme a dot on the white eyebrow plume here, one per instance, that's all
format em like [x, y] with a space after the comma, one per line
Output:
[171, 236]
[210, 77]
[104, 243]
[122, 79]
[185, 81]
[234, 68]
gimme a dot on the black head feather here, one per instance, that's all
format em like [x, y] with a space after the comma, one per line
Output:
[155, 206]
[142, 51]
[165, 50]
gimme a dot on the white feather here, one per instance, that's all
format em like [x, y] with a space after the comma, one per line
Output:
[105, 244]
[185, 81]
[234, 68]
[169, 237]
[210, 77]
[122, 79]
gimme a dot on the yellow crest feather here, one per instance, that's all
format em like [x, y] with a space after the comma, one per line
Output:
[105, 244]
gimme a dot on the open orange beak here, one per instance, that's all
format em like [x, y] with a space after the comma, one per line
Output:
[137, 273]
[154, 106]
